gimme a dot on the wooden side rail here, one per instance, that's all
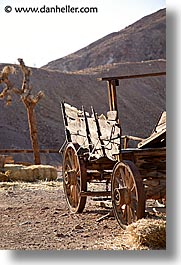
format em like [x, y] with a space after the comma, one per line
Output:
[15, 151]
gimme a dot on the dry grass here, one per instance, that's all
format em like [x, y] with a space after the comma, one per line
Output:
[148, 234]
[38, 185]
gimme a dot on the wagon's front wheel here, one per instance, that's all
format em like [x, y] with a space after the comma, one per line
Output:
[74, 179]
[127, 193]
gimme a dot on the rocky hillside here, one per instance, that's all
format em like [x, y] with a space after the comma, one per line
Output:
[141, 41]
[140, 103]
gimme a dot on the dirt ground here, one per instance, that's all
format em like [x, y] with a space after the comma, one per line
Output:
[35, 216]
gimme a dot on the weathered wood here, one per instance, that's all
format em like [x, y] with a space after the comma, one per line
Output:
[134, 138]
[158, 136]
[102, 164]
[155, 189]
[148, 152]
[126, 139]
[112, 95]
[95, 193]
[99, 174]
[72, 112]
[151, 164]
[108, 140]
[112, 115]
[154, 140]
[110, 214]
[131, 76]
[47, 151]
[161, 122]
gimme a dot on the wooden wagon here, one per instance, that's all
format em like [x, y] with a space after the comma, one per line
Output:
[96, 152]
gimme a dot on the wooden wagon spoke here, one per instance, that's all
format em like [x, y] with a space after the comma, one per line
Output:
[132, 205]
[74, 194]
[134, 197]
[124, 176]
[124, 214]
[128, 216]
[75, 162]
[70, 159]
[78, 173]
[130, 181]
[74, 176]
[133, 188]
[67, 161]
[77, 167]
[132, 215]
[68, 187]
[121, 173]
[118, 181]
[128, 178]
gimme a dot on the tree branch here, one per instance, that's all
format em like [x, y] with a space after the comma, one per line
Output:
[4, 78]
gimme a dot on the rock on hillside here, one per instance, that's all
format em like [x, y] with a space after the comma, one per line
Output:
[141, 41]
[140, 102]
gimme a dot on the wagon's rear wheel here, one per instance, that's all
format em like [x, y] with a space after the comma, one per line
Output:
[127, 193]
[74, 179]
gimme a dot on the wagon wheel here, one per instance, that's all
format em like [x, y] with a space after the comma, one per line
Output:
[127, 193]
[74, 179]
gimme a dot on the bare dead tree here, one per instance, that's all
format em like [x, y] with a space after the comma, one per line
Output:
[29, 100]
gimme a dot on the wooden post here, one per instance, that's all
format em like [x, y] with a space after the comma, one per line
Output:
[112, 95]
[33, 133]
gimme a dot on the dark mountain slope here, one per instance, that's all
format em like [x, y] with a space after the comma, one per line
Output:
[141, 41]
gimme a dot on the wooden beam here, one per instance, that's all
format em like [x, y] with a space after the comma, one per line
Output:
[95, 193]
[131, 76]
[15, 151]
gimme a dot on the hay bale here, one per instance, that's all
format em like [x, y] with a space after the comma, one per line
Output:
[13, 167]
[149, 233]
[20, 174]
[44, 172]
[30, 173]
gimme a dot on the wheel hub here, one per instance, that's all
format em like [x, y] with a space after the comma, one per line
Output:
[122, 196]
